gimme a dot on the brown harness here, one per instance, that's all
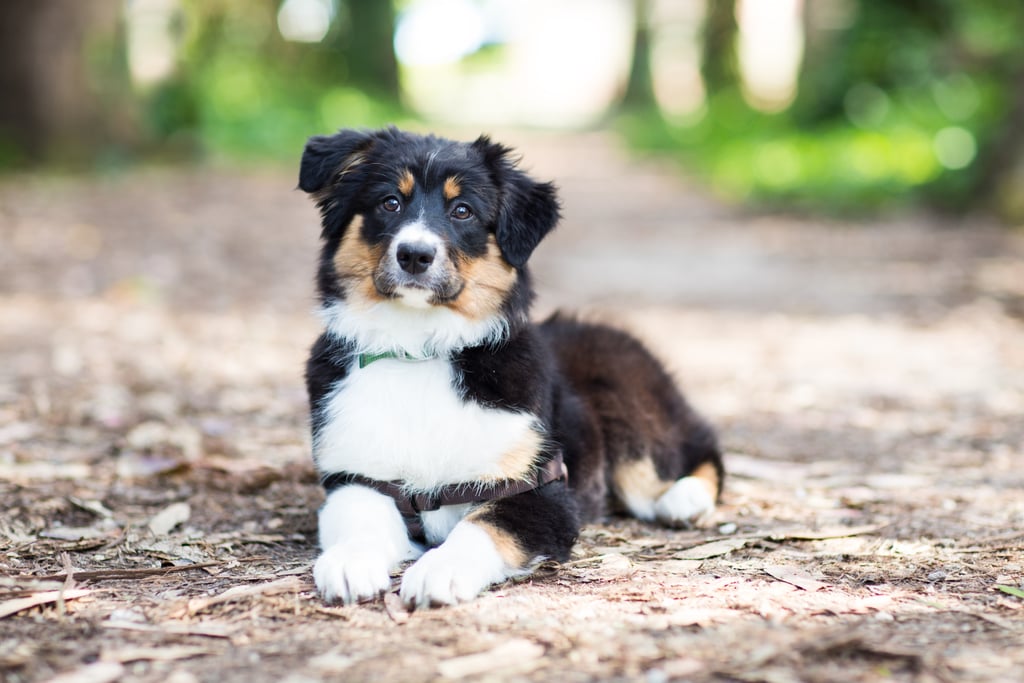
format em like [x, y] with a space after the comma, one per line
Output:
[410, 505]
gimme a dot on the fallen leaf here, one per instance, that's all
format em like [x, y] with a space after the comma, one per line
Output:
[141, 465]
[44, 471]
[395, 608]
[824, 534]
[100, 672]
[795, 577]
[671, 566]
[94, 506]
[107, 574]
[69, 533]
[682, 667]
[614, 565]
[206, 629]
[21, 604]
[1011, 590]
[518, 652]
[164, 653]
[712, 549]
[170, 517]
[289, 584]
[332, 662]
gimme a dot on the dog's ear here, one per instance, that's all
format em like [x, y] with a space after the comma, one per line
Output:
[329, 157]
[528, 210]
[330, 171]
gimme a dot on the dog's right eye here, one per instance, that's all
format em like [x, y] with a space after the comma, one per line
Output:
[391, 204]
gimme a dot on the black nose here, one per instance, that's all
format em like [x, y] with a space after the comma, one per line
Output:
[415, 257]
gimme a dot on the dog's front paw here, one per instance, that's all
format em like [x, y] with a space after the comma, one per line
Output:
[456, 571]
[350, 573]
[689, 502]
[438, 579]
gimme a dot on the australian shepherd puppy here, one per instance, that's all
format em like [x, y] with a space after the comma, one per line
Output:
[447, 428]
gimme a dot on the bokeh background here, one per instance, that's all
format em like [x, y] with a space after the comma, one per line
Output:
[844, 106]
[809, 209]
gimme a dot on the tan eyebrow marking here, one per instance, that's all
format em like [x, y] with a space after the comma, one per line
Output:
[452, 189]
[406, 183]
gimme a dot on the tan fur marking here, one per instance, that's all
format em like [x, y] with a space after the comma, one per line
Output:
[518, 462]
[406, 183]
[708, 475]
[354, 262]
[452, 189]
[638, 479]
[488, 280]
[348, 165]
[506, 544]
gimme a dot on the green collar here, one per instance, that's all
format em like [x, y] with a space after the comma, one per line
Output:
[367, 358]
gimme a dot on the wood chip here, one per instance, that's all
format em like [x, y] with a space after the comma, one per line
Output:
[332, 662]
[164, 653]
[170, 517]
[675, 567]
[21, 604]
[824, 534]
[94, 506]
[289, 584]
[100, 672]
[395, 608]
[207, 630]
[67, 533]
[517, 653]
[712, 549]
[130, 573]
[615, 565]
[795, 577]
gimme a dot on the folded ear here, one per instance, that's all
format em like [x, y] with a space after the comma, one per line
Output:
[330, 172]
[528, 209]
[328, 157]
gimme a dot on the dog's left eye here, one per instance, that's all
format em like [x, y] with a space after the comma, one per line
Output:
[462, 212]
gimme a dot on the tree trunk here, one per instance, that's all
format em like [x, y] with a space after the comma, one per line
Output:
[52, 107]
[640, 88]
[719, 61]
[370, 48]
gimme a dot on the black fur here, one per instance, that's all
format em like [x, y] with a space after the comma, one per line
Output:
[600, 397]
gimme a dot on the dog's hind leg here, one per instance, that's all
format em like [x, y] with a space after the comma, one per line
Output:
[690, 501]
[661, 460]
[675, 486]
[684, 502]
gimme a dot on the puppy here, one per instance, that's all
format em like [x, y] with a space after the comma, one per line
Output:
[441, 416]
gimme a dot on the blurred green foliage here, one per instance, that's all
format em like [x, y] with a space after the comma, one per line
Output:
[913, 101]
[241, 91]
[900, 101]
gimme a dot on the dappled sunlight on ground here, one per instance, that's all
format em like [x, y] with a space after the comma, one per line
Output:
[867, 380]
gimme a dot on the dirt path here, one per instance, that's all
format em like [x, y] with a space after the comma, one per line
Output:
[868, 382]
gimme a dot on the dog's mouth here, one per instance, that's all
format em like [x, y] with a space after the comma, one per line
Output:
[417, 291]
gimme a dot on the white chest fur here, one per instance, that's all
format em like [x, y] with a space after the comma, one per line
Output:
[397, 420]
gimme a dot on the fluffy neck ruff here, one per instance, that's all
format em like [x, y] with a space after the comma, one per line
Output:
[392, 327]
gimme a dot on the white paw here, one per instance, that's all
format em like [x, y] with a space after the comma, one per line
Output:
[352, 572]
[689, 502]
[456, 571]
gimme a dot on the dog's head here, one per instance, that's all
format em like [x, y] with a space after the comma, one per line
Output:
[424, 224]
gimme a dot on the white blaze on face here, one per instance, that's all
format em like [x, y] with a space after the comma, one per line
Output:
[416, 232]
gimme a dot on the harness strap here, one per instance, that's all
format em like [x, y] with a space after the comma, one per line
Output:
[410, 505]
